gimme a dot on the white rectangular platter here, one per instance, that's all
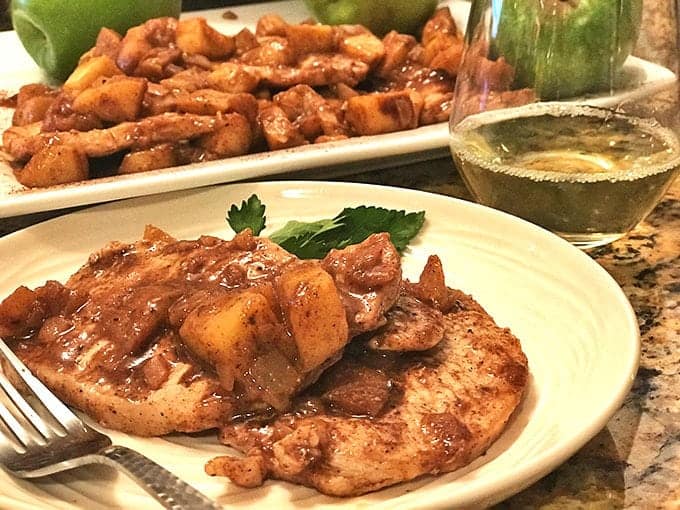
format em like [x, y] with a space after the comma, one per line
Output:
[319, 160]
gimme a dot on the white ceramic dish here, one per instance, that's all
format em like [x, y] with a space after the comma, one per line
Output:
[576, 326]
[344, 157]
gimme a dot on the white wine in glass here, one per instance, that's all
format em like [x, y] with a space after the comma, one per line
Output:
[557, 121]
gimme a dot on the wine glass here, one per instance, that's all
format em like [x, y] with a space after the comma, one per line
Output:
[565, 112]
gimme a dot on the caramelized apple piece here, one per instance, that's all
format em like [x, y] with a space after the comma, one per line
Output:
[314, 313]
[194, 35]
[158, 156]
[54, 164]
[224, 332]
[117, 99]
[90, 70]
[373, 114]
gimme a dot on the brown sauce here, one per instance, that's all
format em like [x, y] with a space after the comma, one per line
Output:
[7, 100]
[126, 331]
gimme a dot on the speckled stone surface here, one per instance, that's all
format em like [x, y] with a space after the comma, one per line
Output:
[635, 461]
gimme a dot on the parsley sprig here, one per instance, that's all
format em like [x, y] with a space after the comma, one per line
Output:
[249, 215]
[315, 239]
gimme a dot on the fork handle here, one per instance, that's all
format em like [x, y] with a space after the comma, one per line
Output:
[170, 491]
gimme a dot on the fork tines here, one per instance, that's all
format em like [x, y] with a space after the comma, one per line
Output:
[24, 425]
[36, 442]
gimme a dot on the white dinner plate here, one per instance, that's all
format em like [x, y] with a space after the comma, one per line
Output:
[574, 322]
[639, 78]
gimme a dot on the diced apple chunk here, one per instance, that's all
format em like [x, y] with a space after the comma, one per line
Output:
[305, 39]
[116, 99]
[55, 164]
[271, 24]
[32, 110]
[372, 114]
[365, 47]
[158, 156]
[224, 333]
[314, 313]
[231, 77]
[194, 35]
[444, 52]
[233, 139]
[86, 73]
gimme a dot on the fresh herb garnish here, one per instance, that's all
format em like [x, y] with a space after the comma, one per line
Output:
[249, 215]
[315, 239]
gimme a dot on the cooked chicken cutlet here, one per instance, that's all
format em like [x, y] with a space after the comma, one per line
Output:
[377, 418]
[164, 335]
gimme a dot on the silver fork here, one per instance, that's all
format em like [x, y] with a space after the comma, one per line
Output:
[41, 448]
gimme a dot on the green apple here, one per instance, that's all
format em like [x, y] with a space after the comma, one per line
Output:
[563, 48]
[57, 32]
[406, 16]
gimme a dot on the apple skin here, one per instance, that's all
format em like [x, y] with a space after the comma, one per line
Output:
[57, 32]
[405, 16]
[579, 48]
